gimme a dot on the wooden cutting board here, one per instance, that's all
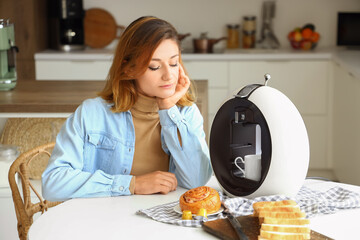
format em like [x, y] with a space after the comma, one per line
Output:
[100, 28]
[224, 230]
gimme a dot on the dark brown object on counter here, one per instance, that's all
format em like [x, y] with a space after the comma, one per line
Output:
[222, 229]
[205, 44]
[183, 36]
[100, 28]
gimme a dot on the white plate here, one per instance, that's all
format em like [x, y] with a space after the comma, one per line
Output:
[178, 210]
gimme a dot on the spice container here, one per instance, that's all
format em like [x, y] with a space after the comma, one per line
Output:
[249, 31]
[8, 153]
[233, 36]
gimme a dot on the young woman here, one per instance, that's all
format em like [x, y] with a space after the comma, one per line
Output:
[143, 135]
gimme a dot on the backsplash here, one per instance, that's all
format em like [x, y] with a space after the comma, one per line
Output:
[189, 16]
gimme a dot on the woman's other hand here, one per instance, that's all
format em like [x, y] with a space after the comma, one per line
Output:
[181, 89]
[155, 182]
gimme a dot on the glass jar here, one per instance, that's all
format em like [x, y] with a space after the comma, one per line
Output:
[248, 39]
[233, 36]
[249, 31]
[249, 23]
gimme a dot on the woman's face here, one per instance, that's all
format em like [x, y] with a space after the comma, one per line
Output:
[161, 76]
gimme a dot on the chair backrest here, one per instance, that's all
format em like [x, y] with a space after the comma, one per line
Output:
[24, 208]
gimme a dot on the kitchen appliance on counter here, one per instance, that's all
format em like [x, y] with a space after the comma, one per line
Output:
[259, 144]
[8, 52]
[66, 24]
[268, 40]
[205, 44]
[348, 33]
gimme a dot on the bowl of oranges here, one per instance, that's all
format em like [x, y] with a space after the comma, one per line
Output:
[305, 38]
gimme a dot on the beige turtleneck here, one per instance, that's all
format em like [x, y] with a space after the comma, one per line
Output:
[149, 155]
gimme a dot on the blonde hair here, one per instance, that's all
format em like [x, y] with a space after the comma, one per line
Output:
[132, 57]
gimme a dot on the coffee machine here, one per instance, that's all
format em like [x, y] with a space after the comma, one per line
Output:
[8, 52]
[259, 144]
[66, 24]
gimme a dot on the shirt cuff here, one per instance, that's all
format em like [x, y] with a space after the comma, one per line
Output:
[121, 185]
[170, 116]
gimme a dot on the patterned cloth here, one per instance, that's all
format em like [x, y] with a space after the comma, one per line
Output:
[310, 201]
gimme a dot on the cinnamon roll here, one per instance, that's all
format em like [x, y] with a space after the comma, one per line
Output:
[200, 197]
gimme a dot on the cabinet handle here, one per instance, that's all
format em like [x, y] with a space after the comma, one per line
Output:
[277, 61]
[82, 61]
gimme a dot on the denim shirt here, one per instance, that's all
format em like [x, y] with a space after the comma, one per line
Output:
[94, 151]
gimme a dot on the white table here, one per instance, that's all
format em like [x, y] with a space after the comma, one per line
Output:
[115, 218]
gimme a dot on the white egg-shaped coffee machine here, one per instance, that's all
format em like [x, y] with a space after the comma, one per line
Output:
[259, 120]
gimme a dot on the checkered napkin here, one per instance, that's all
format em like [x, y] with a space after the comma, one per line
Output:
[310, 201]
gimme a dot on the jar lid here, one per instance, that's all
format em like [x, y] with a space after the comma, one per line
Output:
[8, 150]
[233, 26]
[249, 18]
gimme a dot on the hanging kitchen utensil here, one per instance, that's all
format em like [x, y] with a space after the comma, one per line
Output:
[100, 28]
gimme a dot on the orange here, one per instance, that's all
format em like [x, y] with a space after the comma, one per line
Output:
[315, 37]
[306, 33]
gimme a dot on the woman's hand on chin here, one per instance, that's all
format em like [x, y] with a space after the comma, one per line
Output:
[155, 182]
[180, 90]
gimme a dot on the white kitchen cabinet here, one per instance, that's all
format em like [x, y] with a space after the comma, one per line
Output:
[346, 138]
[216, 72]
[72, 69]
[306, 84]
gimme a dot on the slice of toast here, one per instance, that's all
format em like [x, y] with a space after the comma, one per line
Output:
[285, 228]
[274, 204]
[281, 220]
[286, 221]
[272, 214]
[284, 236]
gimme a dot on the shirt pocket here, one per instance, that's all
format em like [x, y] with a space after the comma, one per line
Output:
[99, 151]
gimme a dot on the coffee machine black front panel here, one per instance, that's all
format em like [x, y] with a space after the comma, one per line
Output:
[237, 125]
[66, 24]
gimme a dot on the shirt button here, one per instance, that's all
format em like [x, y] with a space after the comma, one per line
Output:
[125, 171]
[129, 149]
[172, 115]
[121, 188]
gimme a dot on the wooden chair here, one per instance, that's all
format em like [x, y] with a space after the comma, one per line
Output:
[24, 208]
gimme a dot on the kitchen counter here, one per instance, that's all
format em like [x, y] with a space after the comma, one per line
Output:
[349, 59]
[46, 97]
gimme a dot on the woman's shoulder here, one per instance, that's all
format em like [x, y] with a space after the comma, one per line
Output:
[95, 104]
